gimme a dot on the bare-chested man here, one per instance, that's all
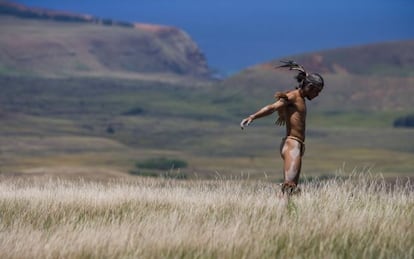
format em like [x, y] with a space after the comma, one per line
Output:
[291, 107]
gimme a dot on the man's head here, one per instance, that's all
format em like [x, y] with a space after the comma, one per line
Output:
[312, 85]
[315, 79]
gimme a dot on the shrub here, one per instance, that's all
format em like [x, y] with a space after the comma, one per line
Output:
[134, 111]
[406, 121]
[160, 167]
[110, 129]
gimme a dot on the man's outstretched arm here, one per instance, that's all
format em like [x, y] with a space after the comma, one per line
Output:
[265, 111]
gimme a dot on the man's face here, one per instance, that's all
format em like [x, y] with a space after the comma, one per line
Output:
[312, 91]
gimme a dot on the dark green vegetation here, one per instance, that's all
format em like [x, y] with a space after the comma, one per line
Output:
[111, 102]
[405, 121]
[160, 167]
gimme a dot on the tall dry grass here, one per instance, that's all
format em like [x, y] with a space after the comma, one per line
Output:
[356, 217]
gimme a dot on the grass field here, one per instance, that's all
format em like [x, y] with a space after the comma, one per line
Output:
[351, 216]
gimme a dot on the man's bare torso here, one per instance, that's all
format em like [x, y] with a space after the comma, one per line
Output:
[295, 114]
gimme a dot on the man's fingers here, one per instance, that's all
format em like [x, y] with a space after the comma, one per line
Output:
[244, 123]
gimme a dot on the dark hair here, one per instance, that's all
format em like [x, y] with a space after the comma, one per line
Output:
[314, 79]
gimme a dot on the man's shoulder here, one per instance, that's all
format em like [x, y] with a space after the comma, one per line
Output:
[292, 95]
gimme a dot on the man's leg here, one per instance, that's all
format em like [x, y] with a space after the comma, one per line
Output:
[292, 155]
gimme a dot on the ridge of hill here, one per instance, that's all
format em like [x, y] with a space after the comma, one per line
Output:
[49, 43]
[23, 11]
[384, 58]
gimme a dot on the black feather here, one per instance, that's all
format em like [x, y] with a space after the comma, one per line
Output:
[292, 65]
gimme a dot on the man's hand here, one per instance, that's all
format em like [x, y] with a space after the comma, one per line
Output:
[246, 122]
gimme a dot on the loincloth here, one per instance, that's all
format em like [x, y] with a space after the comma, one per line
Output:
[301, 142]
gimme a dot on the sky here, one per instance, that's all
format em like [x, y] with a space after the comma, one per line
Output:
[236, 34]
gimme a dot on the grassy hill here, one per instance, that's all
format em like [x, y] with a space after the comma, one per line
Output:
[52, 47]
[379, 59]
[95, 125]
[88, 99]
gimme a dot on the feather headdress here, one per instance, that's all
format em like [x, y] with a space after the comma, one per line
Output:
[302, 77]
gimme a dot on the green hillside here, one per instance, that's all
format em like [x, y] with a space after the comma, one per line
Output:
[89, 126]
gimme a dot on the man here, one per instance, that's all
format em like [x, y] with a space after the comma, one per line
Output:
[291, 107]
